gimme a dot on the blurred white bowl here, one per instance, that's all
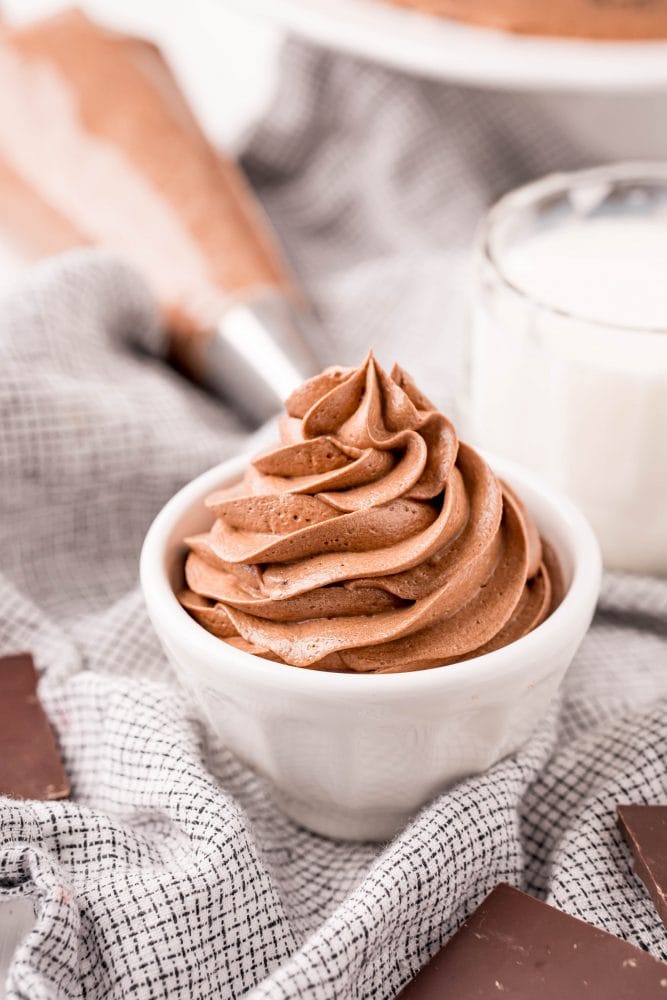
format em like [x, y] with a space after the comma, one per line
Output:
[356, 756]
[465, 53]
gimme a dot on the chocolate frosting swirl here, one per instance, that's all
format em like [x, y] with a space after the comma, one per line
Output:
[370, 539]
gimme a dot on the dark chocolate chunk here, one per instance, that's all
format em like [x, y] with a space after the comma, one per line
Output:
[515, 946]
[645, 829]
[30, 764]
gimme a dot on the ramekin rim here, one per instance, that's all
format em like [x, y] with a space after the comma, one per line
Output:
[583, 590]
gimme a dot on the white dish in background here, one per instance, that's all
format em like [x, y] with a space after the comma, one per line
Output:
[355, 756]
[450, 50]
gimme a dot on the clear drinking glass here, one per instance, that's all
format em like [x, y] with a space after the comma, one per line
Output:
[567, 352]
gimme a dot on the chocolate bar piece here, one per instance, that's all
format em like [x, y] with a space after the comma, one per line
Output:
[30, 764]
[645, 830]
[516, 946]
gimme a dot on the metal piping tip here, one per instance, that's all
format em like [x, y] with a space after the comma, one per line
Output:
[258, 354]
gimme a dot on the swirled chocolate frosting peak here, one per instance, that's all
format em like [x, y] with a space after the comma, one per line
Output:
[370, 539]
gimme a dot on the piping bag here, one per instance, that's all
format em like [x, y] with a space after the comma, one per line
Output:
[99, 147]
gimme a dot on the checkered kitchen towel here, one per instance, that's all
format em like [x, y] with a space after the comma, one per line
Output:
[171, 873]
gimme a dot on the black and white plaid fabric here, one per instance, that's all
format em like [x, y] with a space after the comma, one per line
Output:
[171, 873]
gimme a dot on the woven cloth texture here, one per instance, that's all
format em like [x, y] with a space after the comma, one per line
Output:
[171, 873]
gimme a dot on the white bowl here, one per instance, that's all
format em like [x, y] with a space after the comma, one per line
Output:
[356, 756]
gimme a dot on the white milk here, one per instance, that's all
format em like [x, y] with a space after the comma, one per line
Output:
[569, 376]
[608, 269]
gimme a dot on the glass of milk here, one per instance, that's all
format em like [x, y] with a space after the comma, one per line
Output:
[568, 347]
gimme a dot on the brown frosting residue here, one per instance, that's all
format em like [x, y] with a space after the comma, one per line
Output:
[595, 19]
[370, 539]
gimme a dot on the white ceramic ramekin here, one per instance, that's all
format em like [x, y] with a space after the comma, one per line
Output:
[355, 756]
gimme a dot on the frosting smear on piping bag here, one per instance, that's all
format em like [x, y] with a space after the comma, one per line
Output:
[369, 539]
